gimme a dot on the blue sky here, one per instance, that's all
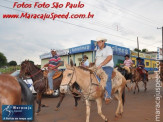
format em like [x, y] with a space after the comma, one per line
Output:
[22, 39]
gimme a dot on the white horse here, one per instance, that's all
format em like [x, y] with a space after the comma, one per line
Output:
[91, 89]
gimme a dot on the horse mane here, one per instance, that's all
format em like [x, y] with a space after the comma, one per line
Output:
[30, 63]
[37, 67]
[85, 69]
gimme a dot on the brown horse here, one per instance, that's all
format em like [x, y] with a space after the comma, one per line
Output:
[36, 74]
[161, 71]
[91, 89]
[137, 77]
[10, 92]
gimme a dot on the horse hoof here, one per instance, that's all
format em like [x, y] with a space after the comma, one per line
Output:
[36, 114]
[37, 111]
[44, 105]
[116, 118]
[56, 109]
[75, 108]
[106, 120]
[120, 116]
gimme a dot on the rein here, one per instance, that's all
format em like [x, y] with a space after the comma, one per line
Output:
[27, 68]
[69, 83]
[35, 73]
[90, 86]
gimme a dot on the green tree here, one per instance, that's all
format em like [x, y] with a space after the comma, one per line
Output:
[137, 50]
[3, 60]
[12, 63]
[144, 50]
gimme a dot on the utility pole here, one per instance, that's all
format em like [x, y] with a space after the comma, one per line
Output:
[138, 45]
[162, 40]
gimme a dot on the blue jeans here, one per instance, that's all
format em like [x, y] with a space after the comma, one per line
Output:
[50, 79]
[108, 70]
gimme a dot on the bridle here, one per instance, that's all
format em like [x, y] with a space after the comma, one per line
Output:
[69, 84]
[27, 69]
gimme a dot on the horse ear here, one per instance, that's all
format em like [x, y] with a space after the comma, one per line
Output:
[65, 63]
[71, 63]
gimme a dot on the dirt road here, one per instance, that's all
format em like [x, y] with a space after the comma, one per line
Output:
[138, 108]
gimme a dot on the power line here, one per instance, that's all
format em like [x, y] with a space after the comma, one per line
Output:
[75, 25]
[79, 26]
[132, 13]
[98, 23]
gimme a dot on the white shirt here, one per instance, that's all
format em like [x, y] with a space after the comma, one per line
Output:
[101, 55]
[86, 63]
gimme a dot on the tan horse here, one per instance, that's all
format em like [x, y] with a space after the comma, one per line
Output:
[10, 92]
[91, 89]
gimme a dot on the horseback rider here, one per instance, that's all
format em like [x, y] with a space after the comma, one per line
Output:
[104, 60]
[85, 61]
[127, 63]
[53, 64]
[141, 66]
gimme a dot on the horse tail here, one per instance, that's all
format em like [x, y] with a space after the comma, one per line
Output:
[27, 95]
[123, 96]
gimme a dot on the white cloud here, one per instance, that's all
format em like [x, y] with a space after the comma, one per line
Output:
[22, 39]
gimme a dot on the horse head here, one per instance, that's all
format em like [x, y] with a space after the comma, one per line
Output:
[25, 68]
[68, 77]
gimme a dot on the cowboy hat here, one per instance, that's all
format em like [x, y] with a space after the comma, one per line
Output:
[138, 58]
[101, 39]
[53, 50]
[85, 56]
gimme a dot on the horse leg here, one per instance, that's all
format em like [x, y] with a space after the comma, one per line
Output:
[76, 102]
[118, 107]
[145, 85]
[60, 101]
[128, 88]
[135, 87]
[88, 105]
[132, 85]
[122, 98]
[39, 96]
[99, 106]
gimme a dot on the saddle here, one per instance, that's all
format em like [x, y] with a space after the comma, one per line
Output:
[127, 69]
[56, 75]
[113, 74]
[141, 71]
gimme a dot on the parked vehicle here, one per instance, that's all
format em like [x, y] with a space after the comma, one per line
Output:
[29, 83]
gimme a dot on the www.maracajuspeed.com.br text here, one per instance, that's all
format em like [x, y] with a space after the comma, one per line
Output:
[44, 16]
